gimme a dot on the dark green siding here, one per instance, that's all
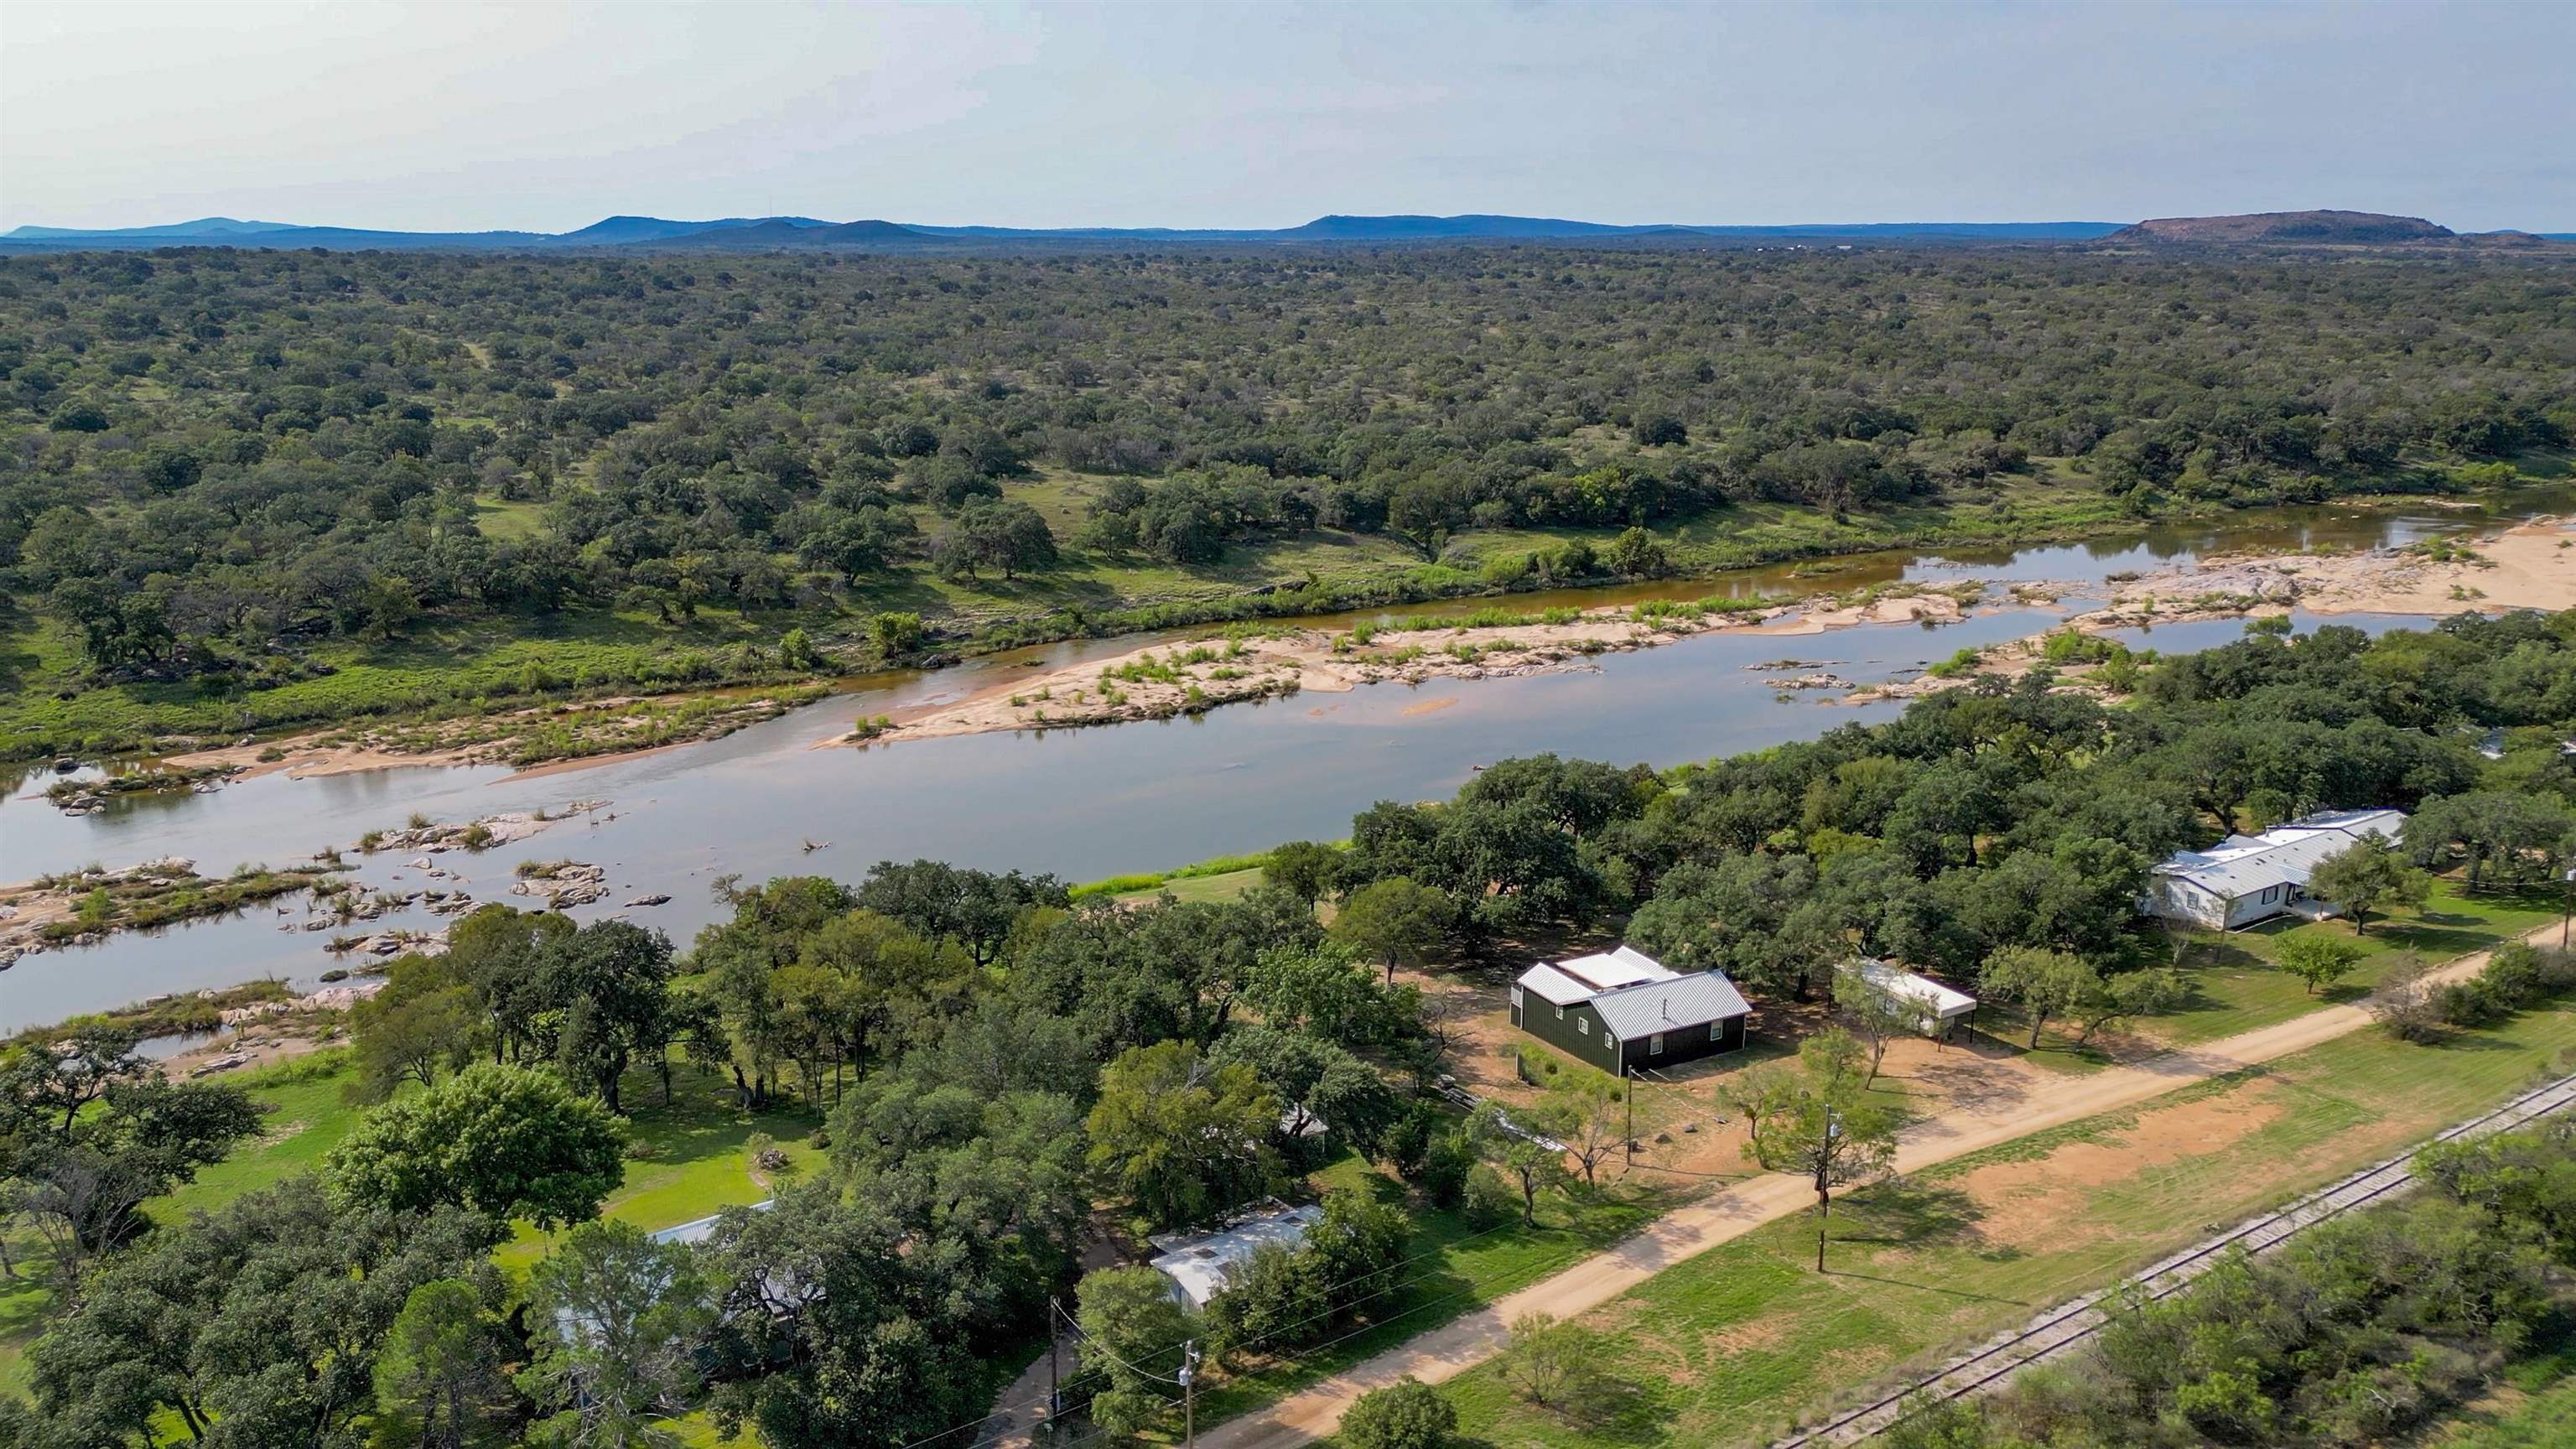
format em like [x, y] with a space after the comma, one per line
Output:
[1578, 1033]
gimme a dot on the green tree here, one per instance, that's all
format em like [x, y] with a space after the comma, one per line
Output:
[1526, 1147]
[2044, 984]
[2367, 876]
[1822, 1126]
[1564, 1367]
[1181, 1138]
[440, 1376]
[2319, 961]
[1392, 921]
[1877, 1014]
[622, 1322]
[1303, 868]
[265, 1316]
[427, 1020]
[1406, 1414]
[1636, 554]
[609, 985]
[505, 1142]
[90, 1133]
[1134, 1334]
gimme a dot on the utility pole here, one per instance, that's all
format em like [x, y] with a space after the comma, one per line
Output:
[2567, 916]
[1055, 1387]
[1189, 1394]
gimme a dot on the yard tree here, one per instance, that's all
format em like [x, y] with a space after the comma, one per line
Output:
[1133, 1332]
[1406, 1414]
[267, 1314]
[2407, 1001]
[2043, 983]
[1509, 1142]
[1356, 1246]
[1274, 1300]
[440, 1376]
[1326, 991]
[1182, 1138]
[1877, 1016]
[91, 1136]
[621, 1323]
[506, 1142]
[426, 1021]
[2124, 995]
[1595, 1111]
[1822, 1126]
[2318, 960]
[841, 1322]
[1315, 1079]
[2365, 876]
[1563, 1367]
[1392, 921]
[2517, 829]
[499, 952]
[1303, 868]
[609, 983]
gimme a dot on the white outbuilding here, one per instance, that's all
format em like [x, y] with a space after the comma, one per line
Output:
[1935, 1007]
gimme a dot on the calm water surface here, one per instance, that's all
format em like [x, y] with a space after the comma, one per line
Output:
[1080, 803]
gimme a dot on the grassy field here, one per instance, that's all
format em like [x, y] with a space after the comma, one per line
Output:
[2236, 986]
[685, 1161]
[1734, 1344]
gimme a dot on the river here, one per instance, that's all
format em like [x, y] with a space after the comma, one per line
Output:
[1080, 803]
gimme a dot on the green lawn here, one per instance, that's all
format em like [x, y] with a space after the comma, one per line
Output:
[2236, 987]
[1224, 887]
[1736, 1343]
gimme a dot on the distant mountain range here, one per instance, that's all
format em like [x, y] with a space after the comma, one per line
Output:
[802, 233]
[764, 233]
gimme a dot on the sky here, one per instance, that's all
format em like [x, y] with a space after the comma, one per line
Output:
[546, 115]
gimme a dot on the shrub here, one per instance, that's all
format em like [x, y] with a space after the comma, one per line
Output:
[1406, 1414]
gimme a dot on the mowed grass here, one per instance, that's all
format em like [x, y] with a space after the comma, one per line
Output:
[1224, 887]
[2237, 987]
[1732, 1346]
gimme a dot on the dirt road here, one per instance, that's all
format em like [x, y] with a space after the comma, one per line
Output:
[1455, 1347]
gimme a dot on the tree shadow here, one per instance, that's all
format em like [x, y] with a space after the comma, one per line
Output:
[1906, 1214]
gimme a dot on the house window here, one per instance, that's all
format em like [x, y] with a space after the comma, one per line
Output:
[1717, 1031]
[1560, 1013]
[1655, 1045]
[1583, 1026]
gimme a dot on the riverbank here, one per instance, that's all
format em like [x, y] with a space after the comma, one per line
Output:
[548, 737]
[1250, 664]
[2531, 565]
[426, 698]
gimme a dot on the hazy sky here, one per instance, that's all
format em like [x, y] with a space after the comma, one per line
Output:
[549, 114]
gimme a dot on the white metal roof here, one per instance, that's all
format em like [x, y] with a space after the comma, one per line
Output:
[2283, 855]
[1585, 977]
[1201, 1267]
[1942, 1002]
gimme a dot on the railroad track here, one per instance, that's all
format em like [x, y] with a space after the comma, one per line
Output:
[2066, 1327]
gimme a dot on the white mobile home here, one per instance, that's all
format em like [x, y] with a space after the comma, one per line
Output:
[2248, 878]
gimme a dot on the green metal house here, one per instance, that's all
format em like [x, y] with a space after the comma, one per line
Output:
[1622, 1009]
